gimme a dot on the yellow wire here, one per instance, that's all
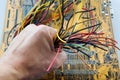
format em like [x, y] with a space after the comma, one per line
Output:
[23, 21]
[30, 13]
[54, 15]
[60, 39]
[37, 10]
[70, 27]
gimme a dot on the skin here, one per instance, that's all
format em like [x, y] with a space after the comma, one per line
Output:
[29, 54]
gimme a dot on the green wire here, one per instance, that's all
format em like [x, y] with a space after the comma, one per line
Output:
[76, 45]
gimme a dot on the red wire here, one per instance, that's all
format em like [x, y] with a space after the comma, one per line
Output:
[44, 14]
[87, 34]
[107, 38]
[93, 22]
[91, 39]
[78, 35]
[108, 45]
[67, 10]
[85, 63]
[91, 13]
[110, 41]
[84, 38]
[53, 61]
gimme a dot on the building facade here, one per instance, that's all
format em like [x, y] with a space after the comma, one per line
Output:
[15, 12]
[104, 65]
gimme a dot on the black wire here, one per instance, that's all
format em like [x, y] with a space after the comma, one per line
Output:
[71, 18]
[73, 25]
[11, 32]
[97, 46]
[86, 28]
[77, 13]
[98, 42]
[85, 21]
[86, 10]
[67, 5]
[36, 18]
[82, 42]
[62, 24]
[45, 11]
[80, 51]
[69, 21]
[82, 30]
[72, 31]
[84, 53]
[97, 27]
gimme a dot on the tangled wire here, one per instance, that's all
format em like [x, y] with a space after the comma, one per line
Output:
[75, 31]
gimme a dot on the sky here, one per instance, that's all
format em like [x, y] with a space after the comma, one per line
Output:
[2, 17]
[116, 20]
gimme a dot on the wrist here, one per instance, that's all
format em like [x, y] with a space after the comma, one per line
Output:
[8, 72]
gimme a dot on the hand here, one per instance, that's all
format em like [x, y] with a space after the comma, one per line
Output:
[30, 54]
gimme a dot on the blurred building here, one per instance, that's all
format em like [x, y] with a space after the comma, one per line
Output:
[15, 12]
[13, 16]
[104, 65]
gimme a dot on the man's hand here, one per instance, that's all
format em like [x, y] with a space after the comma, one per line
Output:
[30, 54]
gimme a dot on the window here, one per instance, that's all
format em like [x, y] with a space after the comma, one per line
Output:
[26, 9]
[27, 5]
[10, 0]
[20, 3]
[16, 16]
[8, 13]
[7, 23]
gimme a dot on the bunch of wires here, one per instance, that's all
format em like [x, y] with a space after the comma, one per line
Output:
[72, 34]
